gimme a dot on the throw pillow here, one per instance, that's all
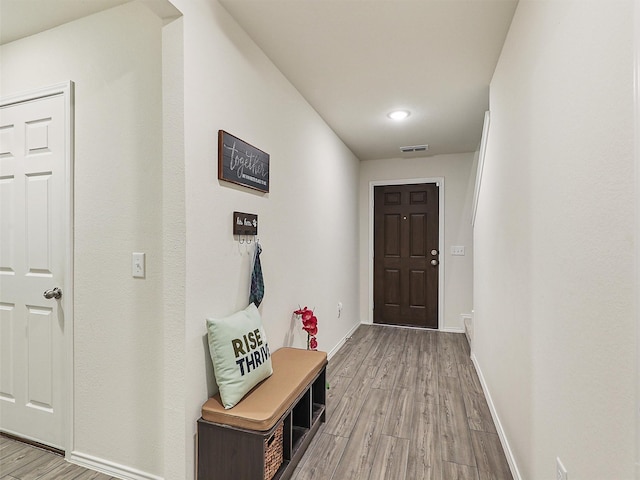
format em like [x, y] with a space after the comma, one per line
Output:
[239, 352]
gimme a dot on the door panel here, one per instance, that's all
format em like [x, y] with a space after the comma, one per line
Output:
[7, 367]
[418, 286]
[405, 233]
[40, 358]
[392, 236]
[392, 290]
[32, 258]
[417, 235]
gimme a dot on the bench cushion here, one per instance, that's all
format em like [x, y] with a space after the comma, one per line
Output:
[262, 407]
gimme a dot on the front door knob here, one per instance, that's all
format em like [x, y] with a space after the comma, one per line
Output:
[434, 262]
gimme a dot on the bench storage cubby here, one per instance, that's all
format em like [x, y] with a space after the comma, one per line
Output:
[235, 444]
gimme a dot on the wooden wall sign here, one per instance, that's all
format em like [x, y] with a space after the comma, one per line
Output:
[242, 163]
[245, 223]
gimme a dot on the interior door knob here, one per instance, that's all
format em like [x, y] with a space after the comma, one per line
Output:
[434, 262]
[53, 293]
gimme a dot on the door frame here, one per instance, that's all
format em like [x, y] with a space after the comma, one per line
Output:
[66, 89]
[636, 130]
[411, 181]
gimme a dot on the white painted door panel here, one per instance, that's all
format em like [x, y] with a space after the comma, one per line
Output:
[32, 260]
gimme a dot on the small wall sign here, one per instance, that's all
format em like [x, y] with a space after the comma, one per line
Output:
[245, 223]
[242, 163]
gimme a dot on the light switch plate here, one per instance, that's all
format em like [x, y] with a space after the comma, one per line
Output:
[457, 250]
[137, 265]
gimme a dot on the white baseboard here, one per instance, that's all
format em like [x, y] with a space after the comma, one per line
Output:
[109, 468]
[452, 329]
[496, 420]
[335, 349]
[444, 329]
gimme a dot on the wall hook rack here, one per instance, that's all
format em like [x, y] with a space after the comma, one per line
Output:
[245, 225]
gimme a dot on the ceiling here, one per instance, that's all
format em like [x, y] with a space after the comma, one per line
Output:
[21, 18]
[356, 60]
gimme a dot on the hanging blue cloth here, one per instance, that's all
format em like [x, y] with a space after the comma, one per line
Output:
[257, 282]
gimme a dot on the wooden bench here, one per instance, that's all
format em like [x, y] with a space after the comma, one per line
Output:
[232, 444]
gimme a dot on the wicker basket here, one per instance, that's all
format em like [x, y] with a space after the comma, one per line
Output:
[273, 453]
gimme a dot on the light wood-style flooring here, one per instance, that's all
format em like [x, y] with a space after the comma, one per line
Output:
[19, 461]
[403, 404]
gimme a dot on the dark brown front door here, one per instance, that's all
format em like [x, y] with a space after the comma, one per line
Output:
[406, 255]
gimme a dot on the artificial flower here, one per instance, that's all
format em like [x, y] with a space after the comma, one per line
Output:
[311, 330]
[309, 325]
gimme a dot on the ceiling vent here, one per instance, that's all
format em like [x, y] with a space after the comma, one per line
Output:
[414, 148]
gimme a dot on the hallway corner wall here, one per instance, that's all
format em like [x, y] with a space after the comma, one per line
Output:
[114, 58]
[458, 173]
[307, 223]
[554, 241]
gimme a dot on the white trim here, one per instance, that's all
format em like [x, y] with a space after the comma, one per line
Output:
[496, 420]
[335, 349]
[110, 468]
[66, 89]
[453, 330]
[467, 327]
[636, 129]
[407, 327]
[412, 181]
[57, 89]
[69, 272]
[481, 154]
[388, 325]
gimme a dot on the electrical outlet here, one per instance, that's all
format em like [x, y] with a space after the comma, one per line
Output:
[339, 309]
[561, 472]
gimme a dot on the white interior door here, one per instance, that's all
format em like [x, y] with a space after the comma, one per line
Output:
[33, 158]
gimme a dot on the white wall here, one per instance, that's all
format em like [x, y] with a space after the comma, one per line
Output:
[459, 180]
[554, 240]
[308, 223]
[114, 58]
[142, 365]
[176, 446]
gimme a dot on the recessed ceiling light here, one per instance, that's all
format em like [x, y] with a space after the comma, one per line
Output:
[398, 114]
